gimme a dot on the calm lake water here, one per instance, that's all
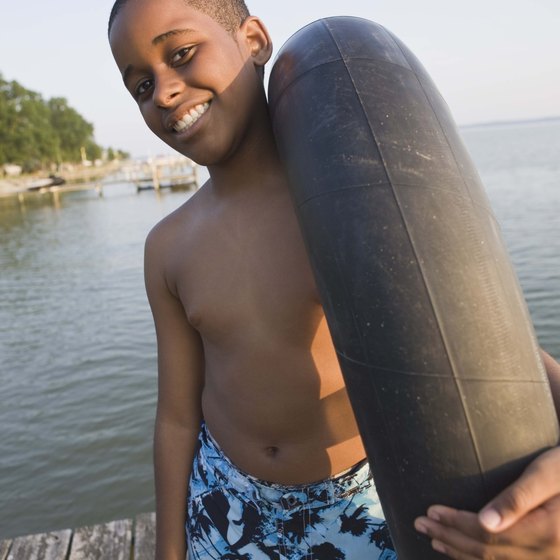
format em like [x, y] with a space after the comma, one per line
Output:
[77, 345]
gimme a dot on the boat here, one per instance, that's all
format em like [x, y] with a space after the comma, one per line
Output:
[46, 183]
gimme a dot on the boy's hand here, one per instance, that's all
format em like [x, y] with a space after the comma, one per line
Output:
[521, 523]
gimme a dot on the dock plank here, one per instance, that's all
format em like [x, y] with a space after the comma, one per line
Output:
[46, 546]
[145, 537]
[4, 548]
[110, 541]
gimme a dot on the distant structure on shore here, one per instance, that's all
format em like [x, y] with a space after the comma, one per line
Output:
[156, 173]
[511, 122]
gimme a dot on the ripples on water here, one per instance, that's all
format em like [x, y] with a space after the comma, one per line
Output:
[77, 359]
[520, 168]
[77, 346]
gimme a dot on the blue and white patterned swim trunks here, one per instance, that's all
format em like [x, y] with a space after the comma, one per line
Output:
[235, 516]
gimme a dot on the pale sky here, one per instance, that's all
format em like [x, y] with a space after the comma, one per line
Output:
[491, 59]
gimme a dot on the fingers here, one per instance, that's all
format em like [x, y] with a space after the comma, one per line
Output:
[465, 540]
[539, 483]
[521, 523]
[460, 535]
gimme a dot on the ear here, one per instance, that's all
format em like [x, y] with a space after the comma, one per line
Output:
[257, 39]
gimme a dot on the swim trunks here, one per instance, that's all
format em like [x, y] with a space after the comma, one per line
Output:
[234, 516]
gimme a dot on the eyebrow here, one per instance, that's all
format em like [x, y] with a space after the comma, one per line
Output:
[171, 33]
[156, 41]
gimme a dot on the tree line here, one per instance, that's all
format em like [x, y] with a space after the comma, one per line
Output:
[37, 133]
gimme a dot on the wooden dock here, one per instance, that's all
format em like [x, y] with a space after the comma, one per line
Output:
[172, 172]
[118, 540]
[162, 173]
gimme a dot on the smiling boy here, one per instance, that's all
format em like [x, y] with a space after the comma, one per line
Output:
[278, 469]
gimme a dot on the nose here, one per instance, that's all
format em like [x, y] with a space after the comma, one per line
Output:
[167, 87]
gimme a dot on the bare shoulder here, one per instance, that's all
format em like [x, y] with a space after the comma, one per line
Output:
[174, 237]
[175, 223]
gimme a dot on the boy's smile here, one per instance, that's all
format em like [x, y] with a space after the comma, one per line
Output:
[190, 118]
[195, 83]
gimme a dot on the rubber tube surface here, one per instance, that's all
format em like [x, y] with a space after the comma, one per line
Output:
[431, 329]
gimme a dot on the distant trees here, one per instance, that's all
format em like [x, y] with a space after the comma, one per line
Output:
[36, 133]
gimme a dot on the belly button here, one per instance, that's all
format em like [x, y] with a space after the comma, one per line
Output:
[272, 451]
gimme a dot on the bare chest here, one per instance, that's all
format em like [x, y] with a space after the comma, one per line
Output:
[246, 277]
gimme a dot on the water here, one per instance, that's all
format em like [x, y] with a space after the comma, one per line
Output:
[77, 345]
[77, 359]
[520, 168]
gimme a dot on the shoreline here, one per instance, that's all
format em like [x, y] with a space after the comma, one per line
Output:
[510, 123]
[14, 186]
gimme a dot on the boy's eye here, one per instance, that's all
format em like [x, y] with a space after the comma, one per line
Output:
[180, 55]
[143, 87]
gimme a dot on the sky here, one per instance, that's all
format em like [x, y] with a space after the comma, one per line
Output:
[492, 60]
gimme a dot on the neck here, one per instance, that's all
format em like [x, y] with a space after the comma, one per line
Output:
[255, 163]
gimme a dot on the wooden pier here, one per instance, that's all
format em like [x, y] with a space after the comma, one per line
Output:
[173, 172]
[118, 540]
[161, 173]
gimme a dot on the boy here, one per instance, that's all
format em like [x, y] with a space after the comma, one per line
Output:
[278, 469]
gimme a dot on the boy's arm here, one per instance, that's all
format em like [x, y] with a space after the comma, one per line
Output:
[178, 417]
[553, 371]
[521, 523]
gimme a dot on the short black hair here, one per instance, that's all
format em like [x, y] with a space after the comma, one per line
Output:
[230, 14]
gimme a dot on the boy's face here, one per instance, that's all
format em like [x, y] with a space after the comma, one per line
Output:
[196, 84]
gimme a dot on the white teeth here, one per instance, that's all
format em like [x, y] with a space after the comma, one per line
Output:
[191, 117]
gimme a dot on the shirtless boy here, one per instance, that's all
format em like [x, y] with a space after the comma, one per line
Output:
[277, 470]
